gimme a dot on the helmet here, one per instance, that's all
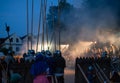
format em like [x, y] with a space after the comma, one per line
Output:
[58, 52]
[48, 53]
[43, 52]
[31, 52]
[90, 68]
[39, 56]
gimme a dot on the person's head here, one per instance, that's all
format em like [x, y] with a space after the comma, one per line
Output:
[39, 57]
[24, 55]
[43, 52]
[90, 68]
[31, 52]
[48, 53]
[57, 53]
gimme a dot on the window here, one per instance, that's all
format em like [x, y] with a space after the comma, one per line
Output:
[11, 39]
[17, 49]
[29, 38]
[17, 40]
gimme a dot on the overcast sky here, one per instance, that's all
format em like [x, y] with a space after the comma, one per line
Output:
[13, 12]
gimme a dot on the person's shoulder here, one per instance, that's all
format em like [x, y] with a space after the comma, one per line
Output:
[62, 57]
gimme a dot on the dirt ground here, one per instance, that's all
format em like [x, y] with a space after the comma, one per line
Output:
[69, 75]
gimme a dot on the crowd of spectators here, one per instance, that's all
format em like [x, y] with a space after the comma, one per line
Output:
[46, 67]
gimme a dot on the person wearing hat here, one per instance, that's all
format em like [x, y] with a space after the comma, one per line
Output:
[60, 65]
[51, 63]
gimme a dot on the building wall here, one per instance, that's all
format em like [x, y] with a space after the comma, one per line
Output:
[16, 43]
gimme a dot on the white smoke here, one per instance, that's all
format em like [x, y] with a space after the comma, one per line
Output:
[84, 25]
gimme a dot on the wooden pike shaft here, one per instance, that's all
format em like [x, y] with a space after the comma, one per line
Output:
[27, 24]
[32, 23]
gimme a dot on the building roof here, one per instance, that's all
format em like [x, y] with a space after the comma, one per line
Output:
[23, 37]
[2, 40]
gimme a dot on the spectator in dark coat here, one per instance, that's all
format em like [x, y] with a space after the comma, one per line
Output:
[51, 63]
[60, 64]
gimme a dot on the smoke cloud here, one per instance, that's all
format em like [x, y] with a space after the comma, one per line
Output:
[93, 20]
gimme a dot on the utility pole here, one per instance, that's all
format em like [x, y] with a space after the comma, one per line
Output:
[39, 27]
[10, 49]
[8, 30]
[32, 23]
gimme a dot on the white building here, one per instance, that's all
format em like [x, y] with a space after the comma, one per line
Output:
[13, 41]
[20, 44]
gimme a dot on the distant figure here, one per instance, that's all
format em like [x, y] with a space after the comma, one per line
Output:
[9, 58]
[115, 77]
[91, 74]
[24, 55]
[60, 64]
[104, 54]
[39, 69]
